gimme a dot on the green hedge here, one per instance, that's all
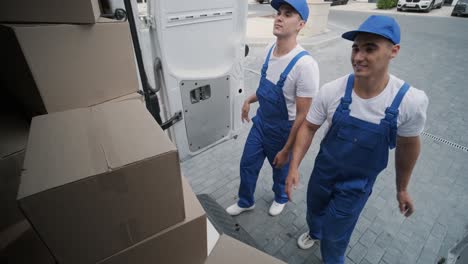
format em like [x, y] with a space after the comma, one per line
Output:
[386, 4]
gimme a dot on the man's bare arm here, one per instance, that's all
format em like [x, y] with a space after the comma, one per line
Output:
[302, 108]
[303, 141]
[406, 154]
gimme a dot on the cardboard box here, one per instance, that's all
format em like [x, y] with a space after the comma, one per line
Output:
[98, 180]
[134, 97]
[184, 243]
[231, 251]
[51, 68]
[13, 140]
[50, 11]
[25, 248]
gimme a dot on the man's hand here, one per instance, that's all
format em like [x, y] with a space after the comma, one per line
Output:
[405, 203]
[245, 112]
[281, 158]
[291, 182]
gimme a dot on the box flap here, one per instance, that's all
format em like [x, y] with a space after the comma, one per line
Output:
[128, 133]
[231, 251]
[62, 148]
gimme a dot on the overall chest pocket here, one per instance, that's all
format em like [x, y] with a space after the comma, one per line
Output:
[270, 94]
[361, 148]
[359, 137]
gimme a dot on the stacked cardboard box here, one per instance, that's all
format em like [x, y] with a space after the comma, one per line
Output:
[13, 140]
[19, 244]
[45, 68]
[110, 179]
[50, 11]
[101, 181]
[56, 67]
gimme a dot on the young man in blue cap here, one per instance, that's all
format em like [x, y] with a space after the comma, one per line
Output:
[368, 112]
[290, 78]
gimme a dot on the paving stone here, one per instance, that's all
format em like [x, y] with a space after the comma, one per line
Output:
[274, 245]
[280, 256]
[362, 224]
[357, 253]
[289, 248]
[287, 219]
[384, 240]
[368, 238]
[378, 225]
[300, 221]
[349, 261]
[427, 257]
[374, 254]
[355, 236]
[295, 259]
[289, 232]
[391, 257]
[313, 259]
[433, 243]
[370, 212]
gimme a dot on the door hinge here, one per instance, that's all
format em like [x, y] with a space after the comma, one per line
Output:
[174, 119]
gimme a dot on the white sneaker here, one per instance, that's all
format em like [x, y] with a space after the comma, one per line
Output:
[236, 209]
[305, 241]
[276, 208]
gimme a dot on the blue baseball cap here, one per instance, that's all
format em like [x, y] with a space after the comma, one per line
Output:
[300, 6]
[384, 26]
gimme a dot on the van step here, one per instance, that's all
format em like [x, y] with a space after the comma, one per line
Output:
[223, 222]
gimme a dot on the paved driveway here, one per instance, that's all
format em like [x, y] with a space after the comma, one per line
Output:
[439, 182]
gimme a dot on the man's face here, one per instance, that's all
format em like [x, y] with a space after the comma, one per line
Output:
[371, 54]
[287, 22]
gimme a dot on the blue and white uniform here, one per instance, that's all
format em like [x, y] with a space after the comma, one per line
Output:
[353, 152]
[275, 117]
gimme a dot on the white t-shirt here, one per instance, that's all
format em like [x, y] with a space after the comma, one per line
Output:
[412, 110]
[302, 80]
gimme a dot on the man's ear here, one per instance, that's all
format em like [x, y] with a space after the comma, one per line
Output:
[301, 25]
[395, 50]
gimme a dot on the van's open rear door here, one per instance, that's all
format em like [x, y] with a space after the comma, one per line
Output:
[200, 46]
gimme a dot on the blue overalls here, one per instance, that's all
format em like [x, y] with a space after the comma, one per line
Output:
[268, 135]
[351, 156]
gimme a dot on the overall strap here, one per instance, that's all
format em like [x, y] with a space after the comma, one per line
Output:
[267, 59]
[291, 64]
[346, 99]
[391, 113]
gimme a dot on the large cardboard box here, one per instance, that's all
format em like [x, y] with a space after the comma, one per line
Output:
[50, 68]
[13, 139]
[98, 180]
[24, 246]
[183, 243]
[231, 251]
[50, 11]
